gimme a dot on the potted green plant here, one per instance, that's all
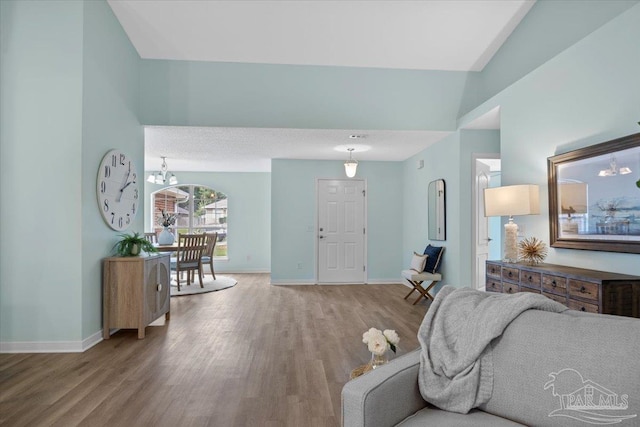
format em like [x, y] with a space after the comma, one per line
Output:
[133, 245]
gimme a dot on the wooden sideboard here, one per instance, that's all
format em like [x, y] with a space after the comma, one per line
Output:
[135, 292]
[577, 288]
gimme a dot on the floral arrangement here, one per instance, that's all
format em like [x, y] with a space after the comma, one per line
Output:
[532, 250]
[167, 219]
[378, 342]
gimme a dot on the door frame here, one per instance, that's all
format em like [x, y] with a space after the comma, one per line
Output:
[316, 226]
[475, 212]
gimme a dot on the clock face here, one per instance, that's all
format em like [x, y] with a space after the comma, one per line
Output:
[117, 189]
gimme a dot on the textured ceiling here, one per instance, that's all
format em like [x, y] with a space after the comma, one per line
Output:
[251, 149]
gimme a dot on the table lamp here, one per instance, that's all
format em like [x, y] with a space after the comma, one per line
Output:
[509, 201]
[573, 201]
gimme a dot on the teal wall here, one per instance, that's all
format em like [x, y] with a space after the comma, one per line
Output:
[184, 93]
[69, 93]
[441, 161]
[547, 29]
[249, 221]
[41, 115]
[586, 95]
[293, 214]
[109, 120]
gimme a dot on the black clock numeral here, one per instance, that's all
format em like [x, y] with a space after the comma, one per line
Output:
[114, 160]
[103, 187]
[135, 195]
[128, 219]
[122, 156]
[134, 178]
[133, 209]
[120, 222]
[113, 217]
[107, 171]
[105, 205]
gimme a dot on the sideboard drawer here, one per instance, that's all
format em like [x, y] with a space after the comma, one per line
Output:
[526, 289]
[493, 285]
[512, 274]
[555, 284]
[558, 298]
[582, 289]
[510, 288]
[493, 270]
[583, 306]
[530, 279]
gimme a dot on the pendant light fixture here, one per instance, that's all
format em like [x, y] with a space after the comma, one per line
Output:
[350, 165]
[613, 169]
[163, 176]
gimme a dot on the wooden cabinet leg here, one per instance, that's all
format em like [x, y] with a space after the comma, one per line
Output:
[141, 333]
[167, 315]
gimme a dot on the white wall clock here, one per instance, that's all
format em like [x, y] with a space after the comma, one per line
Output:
[117, 190]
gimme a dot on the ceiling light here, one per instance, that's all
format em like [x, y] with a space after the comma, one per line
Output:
[613, 169]
[350, 165]
[163, 176]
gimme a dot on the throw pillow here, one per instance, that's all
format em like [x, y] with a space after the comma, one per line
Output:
[418, 262]
[434, 257]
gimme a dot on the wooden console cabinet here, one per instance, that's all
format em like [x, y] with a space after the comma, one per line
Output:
[577, 288]
[135, 292]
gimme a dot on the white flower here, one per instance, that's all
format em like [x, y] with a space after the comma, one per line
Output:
[366, 337]
[391, 336]
[377, 344]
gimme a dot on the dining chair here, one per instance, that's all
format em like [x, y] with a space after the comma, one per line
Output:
[151, 237]
[207, 255]
[188, 257]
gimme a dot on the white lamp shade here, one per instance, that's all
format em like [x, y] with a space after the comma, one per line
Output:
[350, 167]
[512, 200]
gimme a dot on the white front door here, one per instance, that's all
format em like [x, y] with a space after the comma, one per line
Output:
[482, 176]
[341, 231]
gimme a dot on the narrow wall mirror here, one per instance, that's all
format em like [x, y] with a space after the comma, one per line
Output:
[437, 210]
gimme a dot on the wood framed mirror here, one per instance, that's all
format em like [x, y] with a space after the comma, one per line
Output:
[437, 210]
[594, 197]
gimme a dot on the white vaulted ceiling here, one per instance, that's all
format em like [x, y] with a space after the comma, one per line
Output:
[456, 35]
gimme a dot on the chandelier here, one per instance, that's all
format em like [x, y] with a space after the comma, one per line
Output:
[613, 169]
[163, 176]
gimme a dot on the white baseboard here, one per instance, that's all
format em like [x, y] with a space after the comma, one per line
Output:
[383, 282]
[51, 346]
[292, 282]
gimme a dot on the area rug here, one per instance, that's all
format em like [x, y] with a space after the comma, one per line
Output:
[210, 285]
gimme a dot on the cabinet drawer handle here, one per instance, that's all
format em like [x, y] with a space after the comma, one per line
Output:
[510, 274]
[554, 284]
[583, 309]
[509, 290]
[159, 287]
[583, 289]
[530, 279]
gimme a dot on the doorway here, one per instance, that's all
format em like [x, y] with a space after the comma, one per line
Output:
[486, 231]
[341, 231]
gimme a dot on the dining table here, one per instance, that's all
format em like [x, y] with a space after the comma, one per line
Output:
[166, 248]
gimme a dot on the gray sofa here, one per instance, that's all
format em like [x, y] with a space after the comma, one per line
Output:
[549, 369]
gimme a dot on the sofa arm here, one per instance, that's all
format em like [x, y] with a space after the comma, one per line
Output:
[385, 396]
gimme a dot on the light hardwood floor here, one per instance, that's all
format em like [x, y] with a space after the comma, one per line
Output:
[251, 355]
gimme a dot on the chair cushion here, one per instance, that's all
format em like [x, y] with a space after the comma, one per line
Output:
[431, 416]
[435, 256]
[421, 277]
[418, 262]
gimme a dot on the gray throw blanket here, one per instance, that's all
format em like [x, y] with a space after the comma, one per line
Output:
[456, 370]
